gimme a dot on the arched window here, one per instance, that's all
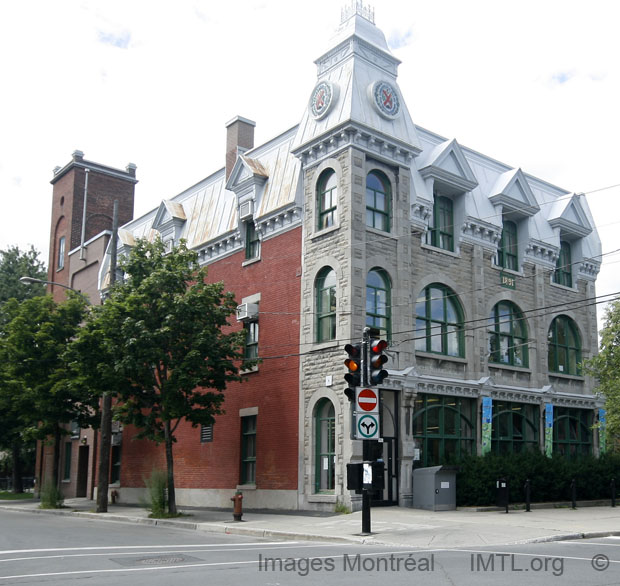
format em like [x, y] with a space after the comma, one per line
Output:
[444, 428]
[439, 321]
[563, 274]
[378, 302]
[378, 204]
[325, 446]
[327, 199]
[514, 427]
[572, 431]
[507, 254]
[564, 346]
[325, 291]
[507, 335]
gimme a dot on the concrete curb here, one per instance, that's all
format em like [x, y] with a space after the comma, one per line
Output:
[238, 529]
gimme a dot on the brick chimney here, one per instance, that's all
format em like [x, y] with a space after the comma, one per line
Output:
[239, 138]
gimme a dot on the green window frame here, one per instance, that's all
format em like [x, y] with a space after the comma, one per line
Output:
[325, 446]
[327, 199]
[378, 302]
[515, 427]
[444, 428]
[563, 274]
[439, 322]
[564, 346]
[378, 201]
[61, 253]
[572, 431]
[441, 229]
[252, 241]
[325, 291]
[251, 340]
[508, 335]
[508, 251]
[248, 449]
[67, 463]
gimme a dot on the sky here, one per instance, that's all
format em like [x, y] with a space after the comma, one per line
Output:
[534, 84]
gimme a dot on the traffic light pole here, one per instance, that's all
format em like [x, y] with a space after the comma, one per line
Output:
[365, 443]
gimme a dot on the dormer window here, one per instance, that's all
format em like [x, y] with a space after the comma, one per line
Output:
[441, 226]
[252, 242]
[563, 274]
[508, 251]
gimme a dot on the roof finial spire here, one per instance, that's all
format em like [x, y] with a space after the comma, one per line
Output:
[357, 7]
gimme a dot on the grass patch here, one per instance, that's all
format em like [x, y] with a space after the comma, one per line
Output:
[11, 496]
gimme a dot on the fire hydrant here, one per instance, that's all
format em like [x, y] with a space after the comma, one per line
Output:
[238, 505]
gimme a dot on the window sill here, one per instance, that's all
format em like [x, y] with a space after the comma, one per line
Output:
[563, 375]
[323, 345]
[249, 370]
[246, 487]
[381, 233]
[505, 270]
[499, 365]
[250, 261]
[432, 248]
[564, 287]
[322, 498]
[441, 357]
[325, 231]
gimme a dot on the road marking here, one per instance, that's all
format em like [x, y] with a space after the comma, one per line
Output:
[182, 566]
[83, 555]
[95, 547]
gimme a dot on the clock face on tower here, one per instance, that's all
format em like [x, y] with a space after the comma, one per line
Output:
[323, 97]
[385, 99]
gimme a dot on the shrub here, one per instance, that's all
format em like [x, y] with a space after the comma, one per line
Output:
[550, 478]
[157, 485]
[51, 497]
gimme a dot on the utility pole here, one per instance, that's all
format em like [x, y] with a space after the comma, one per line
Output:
[106, 401]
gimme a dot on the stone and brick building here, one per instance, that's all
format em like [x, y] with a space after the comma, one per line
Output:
[78, 243]
[480, 275]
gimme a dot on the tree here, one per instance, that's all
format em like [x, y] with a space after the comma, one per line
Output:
[606, 367]
[15, 263]
[34, 383]
[158, 343]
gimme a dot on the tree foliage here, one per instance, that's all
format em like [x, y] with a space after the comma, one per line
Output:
[606, 367]
[35, 388]
[159, 343]
[15, 263]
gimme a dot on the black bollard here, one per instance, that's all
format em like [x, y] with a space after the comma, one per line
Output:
[527, 487]
[613, 492]
[573, 492]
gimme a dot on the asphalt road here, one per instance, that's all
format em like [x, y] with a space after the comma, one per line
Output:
[49, 549]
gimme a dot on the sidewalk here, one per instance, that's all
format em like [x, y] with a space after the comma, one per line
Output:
[390, 525]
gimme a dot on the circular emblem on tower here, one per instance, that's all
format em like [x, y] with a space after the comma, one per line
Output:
[385, 99]
[323, 98]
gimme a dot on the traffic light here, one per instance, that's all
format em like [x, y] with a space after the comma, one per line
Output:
[377, 359]
[354, 364]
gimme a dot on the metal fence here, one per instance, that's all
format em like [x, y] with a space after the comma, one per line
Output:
[6, 483]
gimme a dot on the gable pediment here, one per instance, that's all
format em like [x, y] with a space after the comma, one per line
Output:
[570, 218]
[246, 175]
[447, 164]
[513, 192]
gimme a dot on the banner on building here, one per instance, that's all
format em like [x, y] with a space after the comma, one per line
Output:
[548, 430]
[487, 427]
[602, 430]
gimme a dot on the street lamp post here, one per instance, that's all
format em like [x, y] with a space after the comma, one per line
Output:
[32, 280]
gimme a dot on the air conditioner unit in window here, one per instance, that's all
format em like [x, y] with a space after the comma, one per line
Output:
[247, 311]
[246, 209]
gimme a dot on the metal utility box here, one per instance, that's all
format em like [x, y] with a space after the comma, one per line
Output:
[434, 488]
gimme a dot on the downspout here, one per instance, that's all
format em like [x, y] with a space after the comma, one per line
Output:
[86, 172]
